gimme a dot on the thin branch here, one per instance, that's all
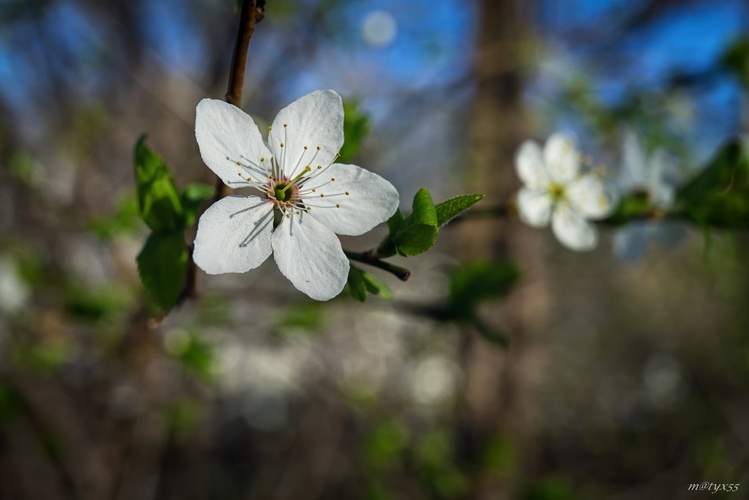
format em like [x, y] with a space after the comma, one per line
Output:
[370, 258]
[252, 13]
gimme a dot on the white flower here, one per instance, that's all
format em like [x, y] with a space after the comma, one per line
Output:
[304, 197]
[558, 190]
[656, 177]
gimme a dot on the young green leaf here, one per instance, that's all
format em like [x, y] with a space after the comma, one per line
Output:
[376, 287]
[356, 285]
[449, 209]
[360, 282]
[192, 199]
[158, 199]
[162, 266]
[417, 233]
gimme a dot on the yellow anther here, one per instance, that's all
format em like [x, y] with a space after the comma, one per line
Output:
[249, 179]
[239, 163]
[322, 195]
[318, 148]
[346, 193]
[270, 128]
[319, 167]
[314, 190]
[309, 208]
[239, 174]
[282, 144]
[305, 148]
[262, 159]
[337, 205]
[288, 216]
[307, 169]
[332, 179]
[338, 155]
[298, 212]
[285, 125]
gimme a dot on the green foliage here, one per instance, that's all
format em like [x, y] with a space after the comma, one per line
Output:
[122, 221]
[162, 266]
[719, 195]
[416, 233]
[385, 445]
[162, 263]
[634, 206]
[736, 59]
[435, 458]
[192, 198]
[551, 488]
[158, 200]
[449, 209]
[194, 354]
[355, 129]
[306, 316]
[477, 282]
[361, 282]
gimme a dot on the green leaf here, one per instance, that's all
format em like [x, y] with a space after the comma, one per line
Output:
[634, 206]
[726, 171]
[719, 195]
[356, 285]
[192, 199]
[477, 282]
[355, 129]
[449, 209]
[361, 282]
[158, 200]
[417, 233]
[394, 222]
[162, 266]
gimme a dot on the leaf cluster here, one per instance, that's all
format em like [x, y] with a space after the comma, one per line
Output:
[162, 263]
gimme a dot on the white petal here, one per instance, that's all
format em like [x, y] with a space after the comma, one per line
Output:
[662, 180]
[631, 241]
[529, 165]
[234, 235]
[562, 158]
[592, 196]
[534, 207]
[371, 199]
[310, 256]
[315, 120]
[634, 173]
[573, 231]
[226, 135]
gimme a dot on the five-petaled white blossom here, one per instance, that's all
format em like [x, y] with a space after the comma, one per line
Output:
[558, 189]
[655, 177]
[304, 199]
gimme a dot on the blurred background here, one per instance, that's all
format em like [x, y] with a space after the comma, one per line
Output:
[625, 378]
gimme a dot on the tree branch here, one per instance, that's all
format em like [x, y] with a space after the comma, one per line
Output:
[253, 11]
[371, 259]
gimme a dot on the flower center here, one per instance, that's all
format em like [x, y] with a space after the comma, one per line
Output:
[556, 192]
[282, 192]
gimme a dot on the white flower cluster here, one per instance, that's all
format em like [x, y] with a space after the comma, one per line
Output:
[558, 190]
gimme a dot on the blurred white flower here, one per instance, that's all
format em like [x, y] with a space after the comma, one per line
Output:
[558, 190]
[311, 197]
[656, 177]
[379, 28]
[14, 292]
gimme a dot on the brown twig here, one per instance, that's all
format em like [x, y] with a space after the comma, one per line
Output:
[253, 11]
